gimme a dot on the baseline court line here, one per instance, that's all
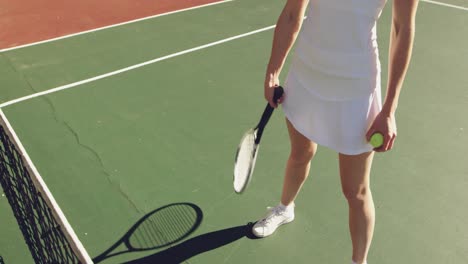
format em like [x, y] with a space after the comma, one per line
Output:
[445, 4]
[111, 26]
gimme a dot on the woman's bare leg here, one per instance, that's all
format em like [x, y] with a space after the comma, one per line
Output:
[298, 164]
[355, 182]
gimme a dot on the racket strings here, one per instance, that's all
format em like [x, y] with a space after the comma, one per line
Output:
[164, 228]
[244, 161]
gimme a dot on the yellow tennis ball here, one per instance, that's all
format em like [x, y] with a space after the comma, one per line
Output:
[376, 140]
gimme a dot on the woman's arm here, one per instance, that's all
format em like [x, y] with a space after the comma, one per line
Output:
[286, 31]
[401, 45]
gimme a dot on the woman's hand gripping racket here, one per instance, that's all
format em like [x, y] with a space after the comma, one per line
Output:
[248, 147]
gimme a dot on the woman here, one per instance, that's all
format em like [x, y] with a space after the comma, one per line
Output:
[332, 98]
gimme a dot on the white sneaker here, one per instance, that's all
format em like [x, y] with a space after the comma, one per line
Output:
[275, 217]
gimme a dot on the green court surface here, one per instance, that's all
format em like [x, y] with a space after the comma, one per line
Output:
[116, 149]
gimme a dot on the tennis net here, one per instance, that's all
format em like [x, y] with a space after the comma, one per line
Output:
[46, 231]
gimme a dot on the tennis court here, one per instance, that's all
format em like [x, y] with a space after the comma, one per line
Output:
[143, 119]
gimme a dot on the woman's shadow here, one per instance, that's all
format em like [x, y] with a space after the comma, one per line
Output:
[169, 225]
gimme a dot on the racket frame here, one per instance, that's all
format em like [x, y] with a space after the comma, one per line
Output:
[252, 160]
[257, 132]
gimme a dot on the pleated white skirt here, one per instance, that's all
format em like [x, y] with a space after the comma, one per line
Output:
[341, 124]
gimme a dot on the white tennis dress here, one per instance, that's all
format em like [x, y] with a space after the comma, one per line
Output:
[332, 90]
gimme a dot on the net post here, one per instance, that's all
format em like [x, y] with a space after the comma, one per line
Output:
[39, 183]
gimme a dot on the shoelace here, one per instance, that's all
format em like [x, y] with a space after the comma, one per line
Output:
[273, 211]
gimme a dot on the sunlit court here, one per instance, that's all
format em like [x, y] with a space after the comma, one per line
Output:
[120, 120]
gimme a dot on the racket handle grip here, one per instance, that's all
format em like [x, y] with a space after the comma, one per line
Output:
[278, 92]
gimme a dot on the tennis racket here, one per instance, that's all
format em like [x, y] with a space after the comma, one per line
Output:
[248, 148]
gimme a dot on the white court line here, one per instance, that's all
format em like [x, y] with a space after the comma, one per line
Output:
[39, 183]
[136, 66]
[71, 85]
[447, 5]
[169, 13]
[112, 26]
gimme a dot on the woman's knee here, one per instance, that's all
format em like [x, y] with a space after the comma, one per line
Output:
[355, 175]
[357, 197]
[302, 156]
[302, 148]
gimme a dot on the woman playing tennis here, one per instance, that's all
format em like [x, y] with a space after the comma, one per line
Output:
[333, 98]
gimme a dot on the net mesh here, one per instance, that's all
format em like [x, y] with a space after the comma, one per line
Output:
[42, 233]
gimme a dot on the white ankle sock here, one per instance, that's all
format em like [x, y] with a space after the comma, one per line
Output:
[287, 208]
[356, 262]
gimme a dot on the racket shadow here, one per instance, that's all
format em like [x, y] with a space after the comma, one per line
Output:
[197, 245]
[159, 228]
